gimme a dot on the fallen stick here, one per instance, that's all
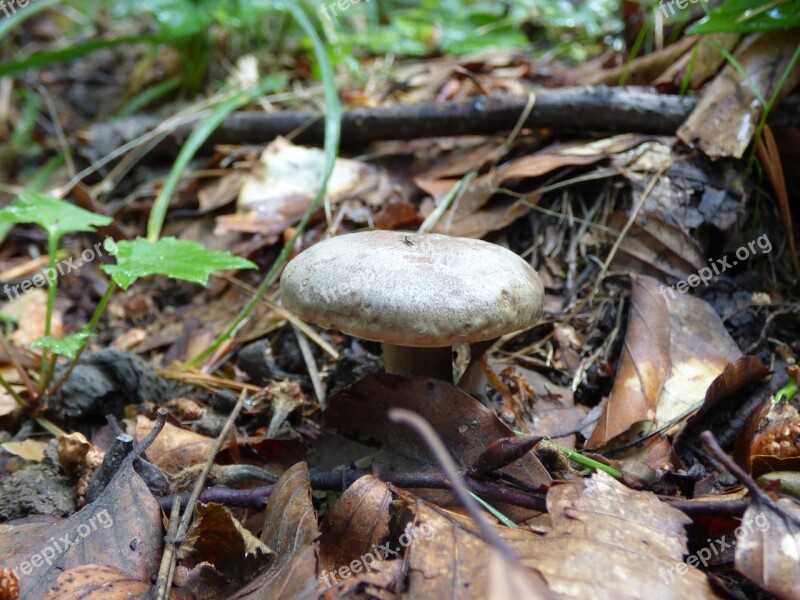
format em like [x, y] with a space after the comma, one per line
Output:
[568, 110]
[582, 111]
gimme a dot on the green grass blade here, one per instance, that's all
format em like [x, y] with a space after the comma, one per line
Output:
[333, 128]
[148, 95]
[54, 57]
[196, 139]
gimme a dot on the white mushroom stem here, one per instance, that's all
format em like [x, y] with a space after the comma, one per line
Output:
[419, 362]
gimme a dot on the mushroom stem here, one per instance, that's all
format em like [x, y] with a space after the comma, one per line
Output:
[419, 362]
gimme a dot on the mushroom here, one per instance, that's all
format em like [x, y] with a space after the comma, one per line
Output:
[416, 293]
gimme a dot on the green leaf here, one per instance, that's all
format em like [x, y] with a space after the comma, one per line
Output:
[180, 259]
[748, 16]
[55, 216]
[65, 346]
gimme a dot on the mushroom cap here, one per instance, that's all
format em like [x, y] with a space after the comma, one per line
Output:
[412, 289]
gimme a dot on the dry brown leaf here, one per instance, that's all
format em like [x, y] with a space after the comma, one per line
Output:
[674, 349]
[290, 529]
[726, 117]
[606, 542]
[30, 449]
[642, 70]
[702, 62]
[30, 311]
[355, 525]
[282, 187]
[475, 213]
[465, 426]
[644, 365]
[7, 403]
[687, 192]
[770, 442]
[217, 538]
[175, 448]
[768, 551]
[611, 542]
[98, 582]
[121, 529]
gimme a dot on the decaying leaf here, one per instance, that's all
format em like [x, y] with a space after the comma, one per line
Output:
[30, 449]
[675, 346]
[770, 442]
[280, 190]
[357, 523]
[607, 541]
[290, 529]
[175, 448]
[121, 530]
[465, 426]
[768, 550]
[217, 538]
[98, 582]
[724, 121]
[476, 212]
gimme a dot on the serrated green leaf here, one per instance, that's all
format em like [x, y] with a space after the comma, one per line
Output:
[180, 259]
[55, 216]
[65, 346]
[749, 16]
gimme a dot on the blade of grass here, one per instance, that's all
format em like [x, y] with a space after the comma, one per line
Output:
[196, 139]
[54, 57]
[150, 94]
[333, 129]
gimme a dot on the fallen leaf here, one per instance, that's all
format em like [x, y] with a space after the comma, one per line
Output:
[217, 538]
[175, 448]
[290, 529]
[97, 582]
[280, 190]
[30, 449]
[355, 525]
[768, 551]
[674, 349]
[726, 117]
[465, 426]
[121, 529]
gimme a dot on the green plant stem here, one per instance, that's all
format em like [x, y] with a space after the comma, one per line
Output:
[585, 461]
[52, 285]
[332, 136]
[98, 312]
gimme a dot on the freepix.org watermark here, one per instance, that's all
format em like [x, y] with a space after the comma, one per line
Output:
[330, 8]
[63, 267]
[667, 7]
[714, 548]
[9, 7]
[57, 547]
[382, 552]
[718, 267]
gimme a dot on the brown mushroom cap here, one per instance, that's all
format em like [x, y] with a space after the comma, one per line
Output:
[410, 289]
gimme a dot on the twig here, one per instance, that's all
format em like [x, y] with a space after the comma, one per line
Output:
[566, 110]
[428, 435]
[120, 448]
[257, 497]
[162, 591]
[166, 569]
[311, 366]
[759, 495]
